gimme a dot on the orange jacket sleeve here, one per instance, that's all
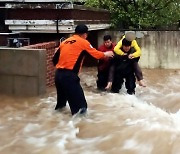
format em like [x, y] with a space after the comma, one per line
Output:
[92, 51]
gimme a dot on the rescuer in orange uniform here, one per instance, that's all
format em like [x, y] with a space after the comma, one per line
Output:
[72, 52]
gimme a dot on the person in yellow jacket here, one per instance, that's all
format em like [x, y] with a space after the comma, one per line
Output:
[130, 36]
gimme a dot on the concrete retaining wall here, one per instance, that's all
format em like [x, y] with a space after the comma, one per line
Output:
[160, 49]
[22, 71]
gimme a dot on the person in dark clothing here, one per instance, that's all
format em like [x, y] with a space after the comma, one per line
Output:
[123, 68]
[72, 53]
[104, 63]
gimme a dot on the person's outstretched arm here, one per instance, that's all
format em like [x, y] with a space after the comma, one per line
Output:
[110, 76]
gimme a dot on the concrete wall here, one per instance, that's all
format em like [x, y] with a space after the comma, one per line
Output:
[160, 49]
[22, 71]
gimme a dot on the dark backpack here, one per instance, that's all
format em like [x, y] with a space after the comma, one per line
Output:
[55, 57]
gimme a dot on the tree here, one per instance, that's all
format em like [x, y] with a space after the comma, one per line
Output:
[140, 13]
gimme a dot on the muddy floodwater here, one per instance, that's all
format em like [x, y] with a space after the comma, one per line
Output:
[146, 123]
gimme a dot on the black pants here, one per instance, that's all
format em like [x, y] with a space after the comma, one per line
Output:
[102, 79]
[69, 89]
[129, 83]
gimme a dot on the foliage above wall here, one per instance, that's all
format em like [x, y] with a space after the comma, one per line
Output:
[140, 13]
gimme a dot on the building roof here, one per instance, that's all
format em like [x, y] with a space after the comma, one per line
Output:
[59, 17]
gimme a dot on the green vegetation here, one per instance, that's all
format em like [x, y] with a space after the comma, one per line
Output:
[140, 13]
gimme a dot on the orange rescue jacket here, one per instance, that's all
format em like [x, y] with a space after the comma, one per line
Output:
[72, 52]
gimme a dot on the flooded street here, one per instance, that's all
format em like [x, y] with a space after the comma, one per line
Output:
[147, 123]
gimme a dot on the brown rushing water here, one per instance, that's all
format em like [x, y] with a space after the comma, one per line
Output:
[147, 123]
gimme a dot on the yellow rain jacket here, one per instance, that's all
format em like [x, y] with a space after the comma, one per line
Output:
[137, 53]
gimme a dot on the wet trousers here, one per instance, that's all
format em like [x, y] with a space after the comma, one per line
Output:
[102, 79]
[69, 89]
[129, 83]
